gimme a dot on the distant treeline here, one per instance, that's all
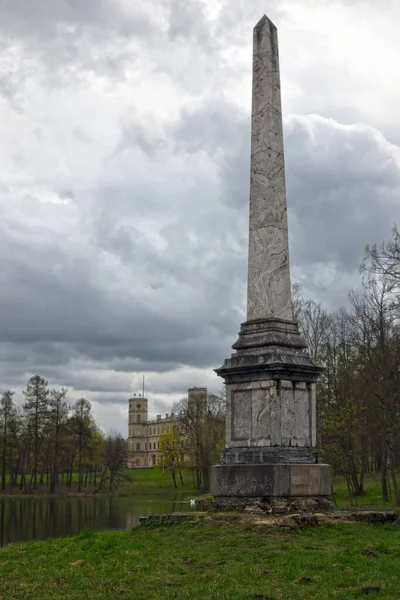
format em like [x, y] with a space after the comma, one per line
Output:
[49, 444]
[359, 393]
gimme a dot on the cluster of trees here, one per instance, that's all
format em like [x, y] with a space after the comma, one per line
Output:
[49, 443]
[359, 393]
[196, 441]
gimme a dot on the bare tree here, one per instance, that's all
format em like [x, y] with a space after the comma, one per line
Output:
[7, 416]
[114, 461]
[36, 409]
[83, 426]
[172, 454]
[203, 427]
[376, 318]
[314, 322]
[58, 419]
[384, 260]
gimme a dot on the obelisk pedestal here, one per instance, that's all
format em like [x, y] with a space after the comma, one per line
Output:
[270, 379]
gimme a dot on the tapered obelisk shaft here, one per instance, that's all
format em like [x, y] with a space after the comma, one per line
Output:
[270, 378]
[269, 293]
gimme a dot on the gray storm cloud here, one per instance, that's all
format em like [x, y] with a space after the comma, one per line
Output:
[124, 188]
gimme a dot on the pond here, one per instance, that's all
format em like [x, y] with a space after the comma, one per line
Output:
[26, 518]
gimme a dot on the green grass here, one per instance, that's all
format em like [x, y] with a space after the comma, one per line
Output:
[371, 498]
[143, 481]
[155, 481]
[220, 557]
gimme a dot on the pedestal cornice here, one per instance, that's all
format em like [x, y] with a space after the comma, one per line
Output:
[269, 349]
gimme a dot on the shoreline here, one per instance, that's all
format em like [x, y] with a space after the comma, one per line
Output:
[48, 496]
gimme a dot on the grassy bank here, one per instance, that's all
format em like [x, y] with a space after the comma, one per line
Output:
[141, 482]
[372, 496]
[219, 557]
[156, 481]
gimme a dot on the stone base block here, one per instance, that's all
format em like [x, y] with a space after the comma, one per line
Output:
[308, 505]
[270, 481]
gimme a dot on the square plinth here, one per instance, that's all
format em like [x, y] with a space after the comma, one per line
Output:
[270, 480]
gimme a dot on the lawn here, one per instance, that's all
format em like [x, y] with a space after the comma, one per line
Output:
[218, 557]
[142, 481]
[371, 498]
[155, 481]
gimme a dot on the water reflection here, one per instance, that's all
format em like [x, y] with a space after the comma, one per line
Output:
[23, 519]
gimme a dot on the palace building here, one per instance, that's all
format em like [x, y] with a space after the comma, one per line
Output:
[144, 434]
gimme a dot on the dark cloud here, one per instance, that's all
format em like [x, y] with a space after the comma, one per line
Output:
[343, 189]
[124, 201]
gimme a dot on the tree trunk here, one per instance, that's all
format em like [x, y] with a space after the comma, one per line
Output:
[173, 475]
[80, 466]
[69, 476]
[198, 479]
[394, 480]
[181, 478]
[3, 466]
[356, 484]
[384, 481]
[333, 496]
[206, 480]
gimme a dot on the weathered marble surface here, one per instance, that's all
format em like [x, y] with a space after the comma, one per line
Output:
[270, 378]
[270, 413]
[269, 293]
[278, 480]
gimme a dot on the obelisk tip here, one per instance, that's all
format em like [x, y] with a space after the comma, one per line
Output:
[264, 21]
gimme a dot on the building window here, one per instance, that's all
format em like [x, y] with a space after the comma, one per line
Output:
[158, 430]
[137, 445]
[146, 431]
[158, 444]
[145, 446]
[137, 431]
[137, 462]
[138, 418]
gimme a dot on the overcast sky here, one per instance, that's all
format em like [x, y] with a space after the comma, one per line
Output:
[124, 157]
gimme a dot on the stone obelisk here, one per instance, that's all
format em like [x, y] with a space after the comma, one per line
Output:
[270, 379]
